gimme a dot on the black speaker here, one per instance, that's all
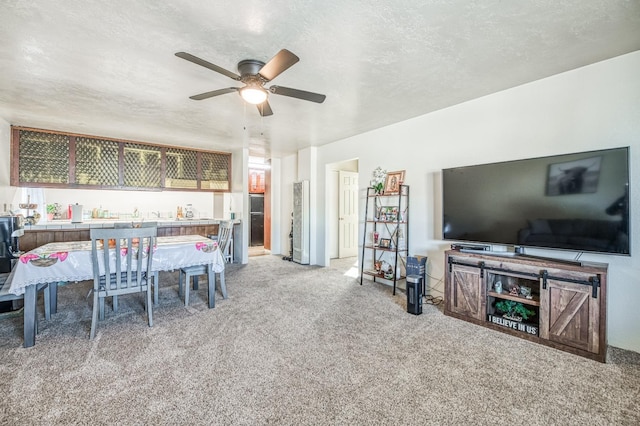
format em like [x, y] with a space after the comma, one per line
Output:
[414, 294]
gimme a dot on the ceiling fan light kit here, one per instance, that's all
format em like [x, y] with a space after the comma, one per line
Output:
[253, 95]
[254, 74]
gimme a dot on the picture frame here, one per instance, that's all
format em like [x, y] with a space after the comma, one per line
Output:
[392, 182]
[385, 243]
[574, 177]
[388, 213]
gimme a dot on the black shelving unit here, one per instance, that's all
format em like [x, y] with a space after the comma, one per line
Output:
[388, 216]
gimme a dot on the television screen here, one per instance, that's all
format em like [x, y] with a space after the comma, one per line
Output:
[574, 201]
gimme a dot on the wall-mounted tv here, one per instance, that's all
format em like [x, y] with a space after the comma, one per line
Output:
[574, 202]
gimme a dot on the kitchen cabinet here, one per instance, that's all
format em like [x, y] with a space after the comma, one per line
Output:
[43, 158]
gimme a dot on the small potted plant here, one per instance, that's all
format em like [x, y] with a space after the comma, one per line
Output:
[51, 210]
[515, 311]
[377, 183]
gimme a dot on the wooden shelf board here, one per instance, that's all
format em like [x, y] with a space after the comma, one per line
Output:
[508, 296]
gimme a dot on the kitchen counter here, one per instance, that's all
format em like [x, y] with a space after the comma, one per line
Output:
[108, 223]
[64, 231]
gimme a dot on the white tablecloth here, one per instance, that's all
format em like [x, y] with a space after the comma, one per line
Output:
[71, 261]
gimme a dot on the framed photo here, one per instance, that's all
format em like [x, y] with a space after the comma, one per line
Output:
[574, 177]
[388, 213]
[385, 243]
[393, 182]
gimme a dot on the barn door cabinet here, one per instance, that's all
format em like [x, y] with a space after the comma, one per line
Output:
[555, 303]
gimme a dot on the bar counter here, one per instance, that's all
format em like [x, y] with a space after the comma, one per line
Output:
[64, 231]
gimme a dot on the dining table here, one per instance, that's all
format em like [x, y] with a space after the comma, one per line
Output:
[68, 262]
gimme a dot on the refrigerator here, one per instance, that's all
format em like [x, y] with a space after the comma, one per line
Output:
[256, 213]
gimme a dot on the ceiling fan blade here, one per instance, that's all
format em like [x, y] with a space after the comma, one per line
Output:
[213, 93]
[265, 109]
[279, 63]
[189, 57]
[295, 93]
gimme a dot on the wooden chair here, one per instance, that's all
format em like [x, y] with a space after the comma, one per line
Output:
[141, 224]
[224, 234]
[126, 264]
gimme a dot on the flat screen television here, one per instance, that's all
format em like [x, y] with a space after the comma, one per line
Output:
[576, 202]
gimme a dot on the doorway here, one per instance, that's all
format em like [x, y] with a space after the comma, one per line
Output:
[259, 207]
[256, 213]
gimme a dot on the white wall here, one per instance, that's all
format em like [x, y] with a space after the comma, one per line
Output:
[590, 108]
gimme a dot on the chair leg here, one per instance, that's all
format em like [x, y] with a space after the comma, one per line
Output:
[115, 303]
[101, 307]
[149, 305]
[156, 283]
[223, 285]
[94, 318]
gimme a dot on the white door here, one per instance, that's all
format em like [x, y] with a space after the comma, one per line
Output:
[347, 214]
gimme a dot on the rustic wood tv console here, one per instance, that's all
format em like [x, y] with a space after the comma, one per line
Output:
[554, 303]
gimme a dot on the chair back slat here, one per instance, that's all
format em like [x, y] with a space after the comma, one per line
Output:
[224, 234]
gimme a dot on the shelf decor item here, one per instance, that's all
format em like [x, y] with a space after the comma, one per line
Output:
[379, 176]
[385, 243]
[393, 182]
[515, 311]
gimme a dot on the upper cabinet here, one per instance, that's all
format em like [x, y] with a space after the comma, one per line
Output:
[44, 158]
[181, 169]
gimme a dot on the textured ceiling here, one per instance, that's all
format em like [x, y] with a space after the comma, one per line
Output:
[108, 68]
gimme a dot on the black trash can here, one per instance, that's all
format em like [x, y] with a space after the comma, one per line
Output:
[414, 294]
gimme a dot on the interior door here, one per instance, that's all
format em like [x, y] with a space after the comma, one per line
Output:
[347, 214]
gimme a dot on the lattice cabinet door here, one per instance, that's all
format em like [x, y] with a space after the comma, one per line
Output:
[97, 162]
[216, 171]
[181, 169]
[43, 158]
[142, 166]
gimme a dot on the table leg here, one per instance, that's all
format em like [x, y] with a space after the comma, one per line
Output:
[211, 278]
[29, 313]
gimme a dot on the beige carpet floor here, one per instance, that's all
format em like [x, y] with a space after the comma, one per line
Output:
[297, 345]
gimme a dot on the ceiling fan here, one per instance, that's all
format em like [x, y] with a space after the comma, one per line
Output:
[254, 74]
